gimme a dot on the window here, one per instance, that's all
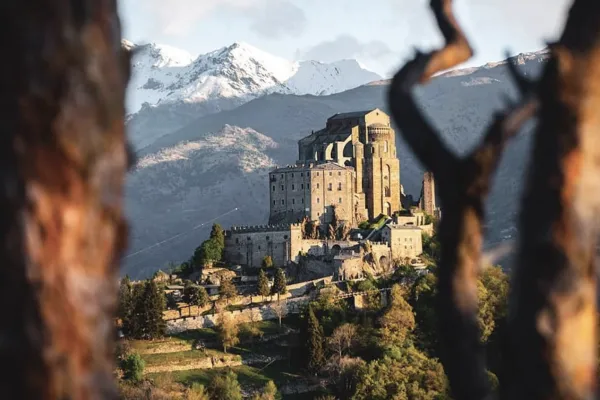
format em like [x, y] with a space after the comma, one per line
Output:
[329, 187]
[273, 187]
[281, 176]
[340, 186]
[237, 240]
[340, 200]
[318, 200]
[302, 200]
[339, 173]
[301, 174]
[282, 202]
[308, 185]
[273, 202]
[293, 187]
[293, 201]
[248, 238]
[282, 187]
[259, 247]
[285, 236]
[268, 238]
[302, 186]
[317, 185]
[330, 173]
[292, 174]
[317, 174]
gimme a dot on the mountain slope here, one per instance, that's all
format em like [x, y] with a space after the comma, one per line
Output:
[169, 88]
[460, 104]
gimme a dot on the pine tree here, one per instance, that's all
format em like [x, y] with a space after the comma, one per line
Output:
[263, 284]
[218, 235]
[148, 310]
[279, 283]
[137, 317]
[314, 343]
[125, 307]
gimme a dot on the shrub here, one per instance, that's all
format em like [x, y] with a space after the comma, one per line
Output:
[133, 367]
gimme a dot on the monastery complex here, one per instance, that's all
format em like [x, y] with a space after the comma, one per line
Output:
[348, 175]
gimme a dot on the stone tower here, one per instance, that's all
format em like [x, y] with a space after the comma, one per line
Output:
[381, 179]
[428, 194]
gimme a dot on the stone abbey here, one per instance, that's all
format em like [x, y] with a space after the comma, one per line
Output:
[350, 164]
[349, 169]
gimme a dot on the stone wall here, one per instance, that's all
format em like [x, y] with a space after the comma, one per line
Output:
[259, 313]
[404, 241]
[249, 245]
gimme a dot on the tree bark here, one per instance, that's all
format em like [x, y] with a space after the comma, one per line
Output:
[63, 158]
[553, 316]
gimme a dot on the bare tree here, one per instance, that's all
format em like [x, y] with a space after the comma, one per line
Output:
[342, 338]
[279, 309]
[63, 159]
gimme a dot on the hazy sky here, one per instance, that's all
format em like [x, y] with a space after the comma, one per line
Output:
[379, 33]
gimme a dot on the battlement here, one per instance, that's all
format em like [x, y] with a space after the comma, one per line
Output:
[265, 228]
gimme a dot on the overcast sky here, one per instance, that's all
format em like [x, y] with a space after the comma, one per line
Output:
[379, 33]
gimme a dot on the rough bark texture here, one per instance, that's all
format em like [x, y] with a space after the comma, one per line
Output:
[62, 163]
[463, 184]
[553, 316]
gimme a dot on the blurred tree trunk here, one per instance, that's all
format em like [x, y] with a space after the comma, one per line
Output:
[63, 158]
[553, 315]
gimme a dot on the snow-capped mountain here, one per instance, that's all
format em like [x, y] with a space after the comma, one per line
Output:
[164, 74]
[169, 88]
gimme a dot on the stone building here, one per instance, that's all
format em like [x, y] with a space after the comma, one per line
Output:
[405, 241]
[358, 152]
[249, 245]
[312, 190]
[427, 201]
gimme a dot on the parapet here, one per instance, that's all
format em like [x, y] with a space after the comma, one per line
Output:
[262, 228]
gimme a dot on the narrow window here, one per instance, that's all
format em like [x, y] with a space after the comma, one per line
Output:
[302, 186]
[282, 187]
[301, 174]
[293, 201]
[329, 187]
[282, 202]
[317, 174]
[237, 240]
[293, 187]
[259, 247]
[317, 185]
[273, 187]
[318, 201]
[308, 185]
[268, 238]
[302, 200]
[330, 173]
[339, 173]
[292, 174]
[281, 176]
[273, 202]
[340, 200]
[340, 186]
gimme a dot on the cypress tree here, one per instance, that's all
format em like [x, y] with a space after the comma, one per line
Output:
[279, 283]
[314, 343]
[263, 284]
[125, 306]
[218, 235]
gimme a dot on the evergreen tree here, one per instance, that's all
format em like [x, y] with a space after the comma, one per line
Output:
[279, 283]
[149, 308]
[209, 252]
[225, 387]
[314, 343]
[125, 307]
[136, 320]
[218, 235]
[194, 295]
[263, 284]
[133, 367]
